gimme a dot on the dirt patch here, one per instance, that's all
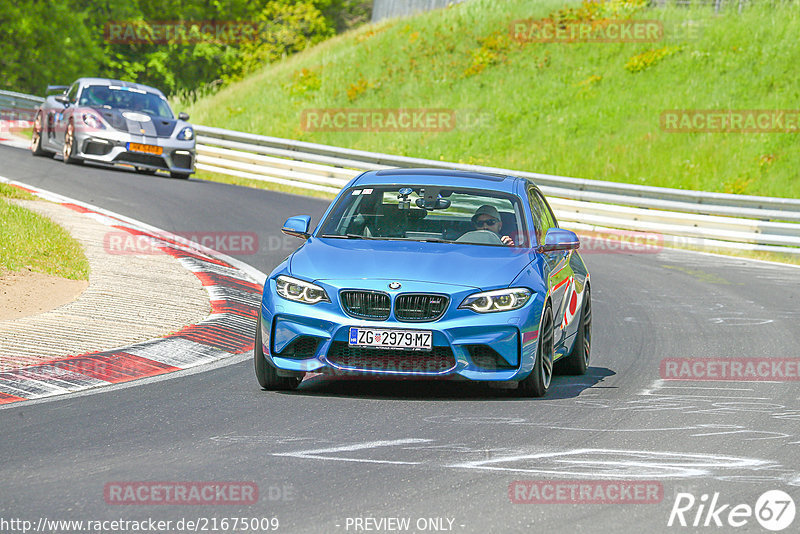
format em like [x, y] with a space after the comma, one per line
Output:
[29, 293]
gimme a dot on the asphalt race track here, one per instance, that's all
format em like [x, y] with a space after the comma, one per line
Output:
[333, 452]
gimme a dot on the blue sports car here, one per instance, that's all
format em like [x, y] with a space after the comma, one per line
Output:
[428, 273]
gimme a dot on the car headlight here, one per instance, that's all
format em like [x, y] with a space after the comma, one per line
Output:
[92, 121]
[496, 301]
[300, 290]
[187, 134]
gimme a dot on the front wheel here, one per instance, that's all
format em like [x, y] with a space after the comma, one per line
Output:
[69, 145]
[265, 373]
[36, 138]
[537, 383]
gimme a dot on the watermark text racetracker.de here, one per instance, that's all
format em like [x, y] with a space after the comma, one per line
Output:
[731, 369]
[119, 242]
[585, 492]
[97, 526]
[620, 242]
[223, 32]
[180, 493]
[730, 121]
[578, 31]
[393, 119]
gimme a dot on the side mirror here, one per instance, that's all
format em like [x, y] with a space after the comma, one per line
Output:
[559, 239]
[297, 226]
[183, 116]
[62, 99]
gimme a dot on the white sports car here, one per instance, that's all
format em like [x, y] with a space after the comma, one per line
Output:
[114, 122]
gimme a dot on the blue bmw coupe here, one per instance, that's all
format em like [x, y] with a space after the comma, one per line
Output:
[429, 273]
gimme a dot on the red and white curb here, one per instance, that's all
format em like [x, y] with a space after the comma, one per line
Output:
[234, 290]
[14, 141]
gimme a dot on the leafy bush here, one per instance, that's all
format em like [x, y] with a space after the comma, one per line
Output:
[55, 41]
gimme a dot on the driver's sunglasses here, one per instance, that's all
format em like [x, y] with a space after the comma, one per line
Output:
[486, 222]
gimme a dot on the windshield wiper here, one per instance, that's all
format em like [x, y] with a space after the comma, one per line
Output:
[348, 236]
[386, 238]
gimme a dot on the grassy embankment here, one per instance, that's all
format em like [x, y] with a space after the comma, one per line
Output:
[573, 109]
[589, 110]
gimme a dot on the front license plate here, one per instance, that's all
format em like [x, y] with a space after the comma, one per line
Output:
[391, 339]
[146, 149]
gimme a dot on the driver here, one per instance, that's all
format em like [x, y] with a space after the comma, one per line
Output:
[98, 96]
[488, 218]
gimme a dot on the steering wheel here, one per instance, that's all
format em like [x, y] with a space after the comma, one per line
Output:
[480, 237]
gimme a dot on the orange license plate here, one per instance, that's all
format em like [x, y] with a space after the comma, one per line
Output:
[147, 149]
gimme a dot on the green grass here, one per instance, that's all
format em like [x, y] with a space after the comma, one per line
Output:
[556, 108]
[9, 191]
[29, 241]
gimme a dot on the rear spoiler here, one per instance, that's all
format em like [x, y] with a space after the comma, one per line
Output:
[59, 88]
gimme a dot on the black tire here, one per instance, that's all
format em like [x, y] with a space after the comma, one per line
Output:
[36, 137]
[179, 175]
[577, 361]
[537, 383]
[265, 373]
[140, 170]
[69, 145]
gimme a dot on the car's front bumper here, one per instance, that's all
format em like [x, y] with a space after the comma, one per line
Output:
[111, 147]
[460, 340]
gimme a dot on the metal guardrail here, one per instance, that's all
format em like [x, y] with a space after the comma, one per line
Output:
[18, 106]
[681, 218]
[16, 112]
[21, 97]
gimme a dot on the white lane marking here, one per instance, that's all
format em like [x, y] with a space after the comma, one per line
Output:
[739, 321]
[550, 426]
[673, 397]
[657, 385]
[317, 454]
[701, 387]
[269, 439]
[585, 463]
[741, 430]
[622, 464]
[710, 428]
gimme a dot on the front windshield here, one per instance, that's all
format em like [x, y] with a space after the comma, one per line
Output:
[427, 213]
[124, 98]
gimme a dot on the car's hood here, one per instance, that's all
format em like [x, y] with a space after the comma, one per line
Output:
[448, 263]
[153, 126]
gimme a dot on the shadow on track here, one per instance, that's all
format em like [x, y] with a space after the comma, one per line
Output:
[164, 174]
[563, 387]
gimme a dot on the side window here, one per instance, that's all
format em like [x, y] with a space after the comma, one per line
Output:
[536, 212]
[547, 214]
[542, 213]
[73, 93]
